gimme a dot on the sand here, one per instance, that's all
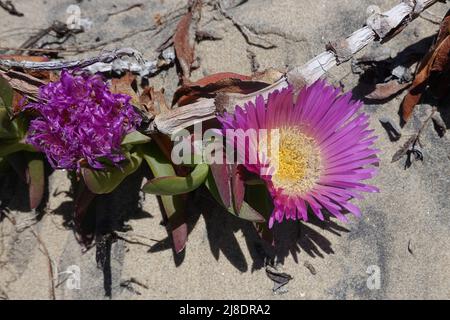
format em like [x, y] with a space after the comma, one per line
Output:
[402, 235]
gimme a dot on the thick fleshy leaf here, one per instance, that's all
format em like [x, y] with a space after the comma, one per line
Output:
[105, 181]
[221, 183]
[158, 163]
[18, 162]
[8, 128]
[7, 148]
[174, 206]
[35, 178]
[245, 212]
[248, 213]
[135, 137]
[258, 198]
[82, 201]
[6, 94]
[174, 185]
[4, 166]
[230, 185]
[237, 188]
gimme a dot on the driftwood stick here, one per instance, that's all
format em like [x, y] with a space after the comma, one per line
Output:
[105, 57]
[379, 26]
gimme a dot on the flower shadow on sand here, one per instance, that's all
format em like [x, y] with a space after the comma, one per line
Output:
[222, 230]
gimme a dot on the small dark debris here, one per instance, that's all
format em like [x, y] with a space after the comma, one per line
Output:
[310, 267]
[10, 8]
[202, 35]
[127, 284]
[254, 65]
[280, 279]
[410, 247]
[391, 128]
[439, 125]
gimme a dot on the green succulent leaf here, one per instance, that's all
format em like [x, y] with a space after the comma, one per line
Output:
[4, 166]
[6, 94]
[9, 147]
[135, 137]
[246, 211]
[174, 205]
[36, 178]
[105, 181]
[159, 165]
[174, 185]
[8, 128]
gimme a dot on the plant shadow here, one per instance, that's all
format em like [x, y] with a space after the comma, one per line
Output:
[377, 71]
[290, 237]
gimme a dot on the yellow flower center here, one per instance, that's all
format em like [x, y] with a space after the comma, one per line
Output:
[298, 159]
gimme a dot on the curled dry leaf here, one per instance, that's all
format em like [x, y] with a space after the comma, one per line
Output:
[437, 61]
[125, 85]
[153, 101]
[210, 86]
[25, 83]
[184, 38]
[386, 90]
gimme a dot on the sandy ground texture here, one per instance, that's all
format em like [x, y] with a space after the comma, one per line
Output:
[402, 239]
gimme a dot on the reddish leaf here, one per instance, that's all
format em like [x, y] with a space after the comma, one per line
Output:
[82, 201]
[153, 101]
[124, 85]
[27, 82]
[178, 226]
[213, 78]
[386, 90]
[184, 39]
[237, 187]
[35, 178]
[230, 185]
[437, 60]
[191, 92]
[221, 178]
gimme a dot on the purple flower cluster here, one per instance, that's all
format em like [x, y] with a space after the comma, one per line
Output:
[80, 121]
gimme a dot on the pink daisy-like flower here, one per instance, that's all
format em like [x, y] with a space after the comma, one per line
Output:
[324, 150]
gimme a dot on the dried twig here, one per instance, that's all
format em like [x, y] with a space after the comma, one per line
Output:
[10, 8]
[135, 238]
[158, 27]
[250, 37]
[310, 267]
[59, 28]
[135, 281]
[410, 146]
[105, 57]
[136, 5]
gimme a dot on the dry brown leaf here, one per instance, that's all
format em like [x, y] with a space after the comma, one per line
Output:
[386, 90]
[125, 85]
[184, 39]
[153, 101]
[212, 85]
[437, 60]
[26, 83]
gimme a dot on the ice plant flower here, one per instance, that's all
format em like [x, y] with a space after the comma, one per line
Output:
[80, 121]
[324, 150]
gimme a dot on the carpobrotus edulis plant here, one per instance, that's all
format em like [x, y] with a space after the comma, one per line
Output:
[324, 150]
